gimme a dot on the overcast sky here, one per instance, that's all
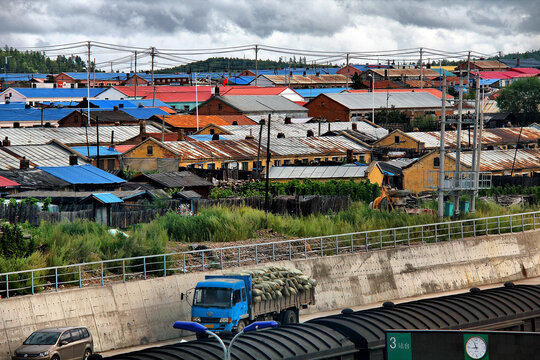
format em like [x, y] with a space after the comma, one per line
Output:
[326, 25]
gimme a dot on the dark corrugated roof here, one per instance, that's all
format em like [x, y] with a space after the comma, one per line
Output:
[176, 179]
[34, 179]
[482, 309]
[299, 342]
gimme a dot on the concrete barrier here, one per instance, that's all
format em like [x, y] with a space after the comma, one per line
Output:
[140, 312]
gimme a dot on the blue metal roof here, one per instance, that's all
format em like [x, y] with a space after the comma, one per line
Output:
[148, 103]
[107, 198]
[97, 76]
[241, 80]
[13, 105]
[21, 76]
[82, 174]
[311, 93]
[58, 92]
[207, 137]
[443, 71]
[103, 151]
[144, 113]
[49, 114]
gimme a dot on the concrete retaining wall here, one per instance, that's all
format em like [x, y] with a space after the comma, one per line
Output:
[139, 312]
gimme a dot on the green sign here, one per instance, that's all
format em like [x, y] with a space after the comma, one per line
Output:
[398, 346]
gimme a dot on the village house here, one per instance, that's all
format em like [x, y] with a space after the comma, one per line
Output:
[251, 105]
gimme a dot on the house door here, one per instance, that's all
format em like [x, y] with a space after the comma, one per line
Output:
[101, 215]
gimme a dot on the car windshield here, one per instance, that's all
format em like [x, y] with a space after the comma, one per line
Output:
[42, 338]
[212, 297]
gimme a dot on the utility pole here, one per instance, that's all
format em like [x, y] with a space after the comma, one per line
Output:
[442, 152]
[475, 169]
[421, 70]
[111, 67]
[256, 65]
[457, 175]
[153, 54]
[5, 72]
[136, 81]
[468, 70]
[259, 150]
[347, 80]
[97, 141]
[88, 88]
[267, 180]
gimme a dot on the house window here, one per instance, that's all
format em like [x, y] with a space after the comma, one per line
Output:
[219, 107]
[149, 150]
[317, 159]
[396, 139]
[436, 162]
[305, 161]
[322, 103]
[186, 107]
[362, 159]
[257, 165]
[335, 159]
[286, 162]
[245, 165]
[211, 166]
[110, 164]
[212, 131]
[277, 162]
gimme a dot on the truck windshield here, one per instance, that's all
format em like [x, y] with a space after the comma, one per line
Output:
[212, 297]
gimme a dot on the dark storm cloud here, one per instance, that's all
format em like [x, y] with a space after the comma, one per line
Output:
[262, 18]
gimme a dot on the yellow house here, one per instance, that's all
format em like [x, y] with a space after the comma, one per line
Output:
[151, 155]
[399, 141]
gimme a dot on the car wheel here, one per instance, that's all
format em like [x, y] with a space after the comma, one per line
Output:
[290, 317]
[87, 354]
[241, 326]
[55, 357]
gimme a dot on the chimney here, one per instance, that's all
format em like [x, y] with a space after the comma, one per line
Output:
[349, 156]
[142, 127]
[6, 142]
[215, 137]
[249, 137]
[518, 62]
[328, 126]
[216, 91]
[120, 106]
[115, 108]
[140, 105]
[24, 163]
[73, 160]
[181, 135]
[235, 122]
[354, 126]
[27, 106]
[309, 133]
[16, 124]
[287, 120]
[385, 74]
[280, 135]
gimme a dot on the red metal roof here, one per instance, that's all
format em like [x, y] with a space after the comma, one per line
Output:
[4, 182]
[124, 148]
[432, 91]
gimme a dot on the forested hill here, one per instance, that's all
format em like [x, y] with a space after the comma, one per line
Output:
[37, 62]
[535, 54]
[221, 64]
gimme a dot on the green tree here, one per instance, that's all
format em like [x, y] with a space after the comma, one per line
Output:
[521, 97]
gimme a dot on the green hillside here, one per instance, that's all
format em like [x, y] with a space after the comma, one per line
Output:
[37, 62]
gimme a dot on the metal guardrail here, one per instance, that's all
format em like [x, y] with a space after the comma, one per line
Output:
[100, 273]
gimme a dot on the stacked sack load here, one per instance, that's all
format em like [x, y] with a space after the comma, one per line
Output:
[273, 282]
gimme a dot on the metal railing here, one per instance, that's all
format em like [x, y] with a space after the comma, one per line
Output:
[104, 272]
[462, 180]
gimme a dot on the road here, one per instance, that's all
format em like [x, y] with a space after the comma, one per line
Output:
[303, 318]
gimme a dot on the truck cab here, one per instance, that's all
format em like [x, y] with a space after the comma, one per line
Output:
[221, 303]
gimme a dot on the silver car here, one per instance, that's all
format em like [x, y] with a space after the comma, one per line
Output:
[59, 343]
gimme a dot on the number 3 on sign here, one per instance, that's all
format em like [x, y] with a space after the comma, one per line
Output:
[392, 342]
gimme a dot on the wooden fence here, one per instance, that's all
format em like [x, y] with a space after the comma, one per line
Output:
[284, 205]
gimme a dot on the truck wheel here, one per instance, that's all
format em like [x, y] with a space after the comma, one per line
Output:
[290, 317]
[241, 326]
[201, 336]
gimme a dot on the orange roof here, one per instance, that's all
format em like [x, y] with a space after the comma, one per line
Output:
[240, 119]
[190, 121]
[170, 136]
[432, 91]
[123, 148]
[167, 109]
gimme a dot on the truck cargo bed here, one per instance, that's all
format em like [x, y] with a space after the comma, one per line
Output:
[306, 297]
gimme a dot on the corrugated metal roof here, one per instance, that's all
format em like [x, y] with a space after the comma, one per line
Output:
[315, 146]
[82, 174]
[76, 195]
[178, 179]
[51, 154]
[408, 100]
[317, 172]
[294, 130]
[57, 93]
[105, 198]
[263, 103]
[307, 79]
[71, 135]
[103, 151]
[8, 161]
[22, 115]
[145, 113]
[503, 160]
[406, 72]
[497, 136]
[34, 179]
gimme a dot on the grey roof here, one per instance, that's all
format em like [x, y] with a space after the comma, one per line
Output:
[176, 179]
[315, 146]
[263, 103]
[317, 172]
[51, 154]
[8, 161]
[300, 130]
[405, 100]
[34, 179]
[76, 194]
[71, 135]
[401, 162]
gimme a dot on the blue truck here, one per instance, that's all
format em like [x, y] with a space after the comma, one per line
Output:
[226, 303]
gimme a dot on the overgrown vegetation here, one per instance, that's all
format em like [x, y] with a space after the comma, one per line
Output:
[521, 98]
[512, 190]
[359, 191]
